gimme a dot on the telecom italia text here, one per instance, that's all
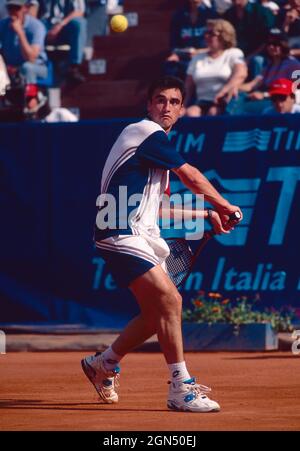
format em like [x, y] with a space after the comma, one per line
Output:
[274, 140]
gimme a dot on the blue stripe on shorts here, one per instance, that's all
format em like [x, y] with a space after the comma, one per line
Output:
[125, 268]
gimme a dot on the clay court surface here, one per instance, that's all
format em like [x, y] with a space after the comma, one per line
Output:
[48, 391]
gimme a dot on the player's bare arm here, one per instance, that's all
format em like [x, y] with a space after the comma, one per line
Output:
[177, 213]
[195, 181]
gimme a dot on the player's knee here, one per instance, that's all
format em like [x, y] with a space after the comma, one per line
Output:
[178, 299]
[171, 305]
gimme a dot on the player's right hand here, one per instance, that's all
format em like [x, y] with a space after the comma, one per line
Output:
[225, 212]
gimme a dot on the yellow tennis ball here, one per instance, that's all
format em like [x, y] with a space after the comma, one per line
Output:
[119, 23]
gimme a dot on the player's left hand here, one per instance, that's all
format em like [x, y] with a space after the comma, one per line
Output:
[217, 224]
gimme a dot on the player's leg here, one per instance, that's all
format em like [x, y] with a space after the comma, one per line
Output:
[137, 331]
[164, 319]
[102, 369]
[161, 306]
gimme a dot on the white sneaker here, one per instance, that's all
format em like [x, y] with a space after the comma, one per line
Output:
[188, 396]
[103, 380]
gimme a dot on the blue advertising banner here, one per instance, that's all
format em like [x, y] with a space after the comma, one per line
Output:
[254, 163]
[49, 182]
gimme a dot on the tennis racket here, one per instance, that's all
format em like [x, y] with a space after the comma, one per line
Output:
[182, 259]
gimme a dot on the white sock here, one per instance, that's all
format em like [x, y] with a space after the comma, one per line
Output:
[178, 372]
[110, 358]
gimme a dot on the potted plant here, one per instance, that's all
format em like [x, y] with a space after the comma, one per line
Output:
[218, 323]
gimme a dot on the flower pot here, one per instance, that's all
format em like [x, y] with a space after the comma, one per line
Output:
[222, 337]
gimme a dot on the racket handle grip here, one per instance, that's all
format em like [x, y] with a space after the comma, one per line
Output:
[235, 217]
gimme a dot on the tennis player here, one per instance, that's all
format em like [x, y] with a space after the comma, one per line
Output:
[140, 160]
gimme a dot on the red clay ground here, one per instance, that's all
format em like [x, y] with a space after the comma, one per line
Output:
[48, 391]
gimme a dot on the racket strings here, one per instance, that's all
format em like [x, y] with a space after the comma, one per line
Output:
[179, 261]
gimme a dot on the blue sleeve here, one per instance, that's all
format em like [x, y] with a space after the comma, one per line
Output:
[157, 151]
[38, 34]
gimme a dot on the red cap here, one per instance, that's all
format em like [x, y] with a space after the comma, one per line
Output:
[281, 86]
[31, 90]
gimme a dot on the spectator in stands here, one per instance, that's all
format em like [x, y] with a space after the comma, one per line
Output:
[215, 76]
[251, 21]
[187, 35]
[280, 65]
[288, 21]
[47, 114]
[22, 39]
[33, 7]
[282, 97]
[65, 22]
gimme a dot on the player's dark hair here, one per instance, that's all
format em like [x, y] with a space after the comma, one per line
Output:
[166, 82]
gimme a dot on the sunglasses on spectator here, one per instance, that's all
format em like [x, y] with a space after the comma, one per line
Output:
[212, 33]
[279, 97]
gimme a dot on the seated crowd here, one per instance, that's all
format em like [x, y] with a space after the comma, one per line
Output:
[27, 29]
[28, 26]
[231, 52]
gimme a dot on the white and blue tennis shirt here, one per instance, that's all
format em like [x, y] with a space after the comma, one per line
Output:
[137, 164]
